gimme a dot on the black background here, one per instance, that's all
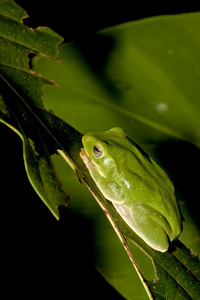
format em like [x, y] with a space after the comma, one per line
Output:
[74, 19]
[40, 257]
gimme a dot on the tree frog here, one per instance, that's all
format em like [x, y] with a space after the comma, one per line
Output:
[137, 186]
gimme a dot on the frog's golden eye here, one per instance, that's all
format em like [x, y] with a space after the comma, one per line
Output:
[97, 151]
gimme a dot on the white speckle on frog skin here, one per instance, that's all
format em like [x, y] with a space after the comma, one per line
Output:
[127, 183]
[106, 162]
[161, 107]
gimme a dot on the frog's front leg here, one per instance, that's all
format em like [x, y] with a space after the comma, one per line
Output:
[111, 190]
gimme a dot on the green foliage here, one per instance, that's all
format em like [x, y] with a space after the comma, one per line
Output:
[21, 98]
[142, 76]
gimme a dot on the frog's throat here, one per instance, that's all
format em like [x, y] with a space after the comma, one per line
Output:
[92, 166]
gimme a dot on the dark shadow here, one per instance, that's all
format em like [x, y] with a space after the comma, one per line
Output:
[95, 50]
[73, 19]
[182, 161]
[40, 255]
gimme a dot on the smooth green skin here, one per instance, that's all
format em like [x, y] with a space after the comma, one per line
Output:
[139, 189]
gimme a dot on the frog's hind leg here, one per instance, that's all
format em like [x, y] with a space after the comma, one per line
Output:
[151, 226]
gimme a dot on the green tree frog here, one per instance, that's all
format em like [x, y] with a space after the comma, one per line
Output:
[137, 186]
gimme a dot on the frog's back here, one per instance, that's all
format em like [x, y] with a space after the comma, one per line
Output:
[145, 177]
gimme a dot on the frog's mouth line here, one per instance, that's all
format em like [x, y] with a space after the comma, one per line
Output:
[86, 158]
[88, 161]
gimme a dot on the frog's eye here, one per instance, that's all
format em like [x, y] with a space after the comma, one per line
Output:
[97, 151]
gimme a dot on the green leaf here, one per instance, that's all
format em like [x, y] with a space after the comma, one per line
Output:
[17, 41]
[171, 270]
[141, 76]
[135, 76]
[20, 99]
[15, 113]
[40, 40]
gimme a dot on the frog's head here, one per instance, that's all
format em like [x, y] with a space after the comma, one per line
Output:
[98, 149]
[94, 153]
